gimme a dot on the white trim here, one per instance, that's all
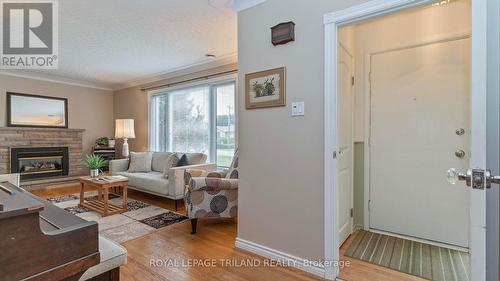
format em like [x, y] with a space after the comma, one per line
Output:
[367, 98]
[370, 10]
[331, 185]
[279, 256]
[172, 73]
[376, 8]
[240, 5]
[54, 79]
[367, 141]
[479, 63]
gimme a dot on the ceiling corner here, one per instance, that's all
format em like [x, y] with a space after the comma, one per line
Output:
[240, 5]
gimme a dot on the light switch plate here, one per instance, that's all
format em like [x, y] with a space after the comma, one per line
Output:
[298, 108]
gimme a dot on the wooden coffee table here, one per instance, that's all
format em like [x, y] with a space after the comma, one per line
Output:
[101, 204]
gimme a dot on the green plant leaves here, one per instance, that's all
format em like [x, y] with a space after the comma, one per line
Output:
[93, 161]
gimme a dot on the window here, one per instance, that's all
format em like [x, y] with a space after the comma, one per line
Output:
[196, 119]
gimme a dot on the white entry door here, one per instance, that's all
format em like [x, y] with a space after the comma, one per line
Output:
[345, 143]
[420, 127]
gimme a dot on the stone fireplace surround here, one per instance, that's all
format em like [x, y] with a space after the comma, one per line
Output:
[45, 137]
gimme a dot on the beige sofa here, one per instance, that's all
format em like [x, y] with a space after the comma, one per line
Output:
[155, 182]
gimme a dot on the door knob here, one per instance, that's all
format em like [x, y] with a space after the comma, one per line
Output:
[460, 153]
[475, 178]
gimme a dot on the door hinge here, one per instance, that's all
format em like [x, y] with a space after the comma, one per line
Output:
[370, 76]
[352, 80]
[334, 155]
[369, 205]
[352, 212]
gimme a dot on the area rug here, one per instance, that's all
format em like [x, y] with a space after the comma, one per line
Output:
[419, 259]
[140, 219]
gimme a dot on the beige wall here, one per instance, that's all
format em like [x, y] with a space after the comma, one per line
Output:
[88, 108]
[133, 103]
[281, 158]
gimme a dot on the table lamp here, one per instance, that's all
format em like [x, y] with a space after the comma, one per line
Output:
[124, 129]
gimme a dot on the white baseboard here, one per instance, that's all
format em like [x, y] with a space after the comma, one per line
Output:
[284, 258]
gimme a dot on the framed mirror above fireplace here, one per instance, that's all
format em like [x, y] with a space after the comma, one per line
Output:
[39, 162]
[25, 110]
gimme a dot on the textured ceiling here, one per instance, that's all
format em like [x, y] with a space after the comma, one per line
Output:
[111, 43]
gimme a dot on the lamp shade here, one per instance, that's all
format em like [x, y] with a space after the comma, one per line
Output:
[124, 128]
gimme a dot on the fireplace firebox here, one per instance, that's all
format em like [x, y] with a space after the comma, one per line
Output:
[39, 162]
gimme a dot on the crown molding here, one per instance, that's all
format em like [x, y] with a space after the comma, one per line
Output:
[179, 71]
[240, 5]
[172, 73]
[54, 79]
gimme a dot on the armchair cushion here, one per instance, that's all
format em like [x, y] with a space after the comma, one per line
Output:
[176, 177]
[212, 198]
[212, 184]
[217, 174]
[191, 173]
[196, 173]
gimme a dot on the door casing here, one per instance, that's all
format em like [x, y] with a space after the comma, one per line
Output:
[376, 8]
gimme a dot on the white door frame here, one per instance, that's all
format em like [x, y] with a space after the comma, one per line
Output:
[376, 8]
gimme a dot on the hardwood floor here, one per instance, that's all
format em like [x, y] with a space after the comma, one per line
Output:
[214, 241]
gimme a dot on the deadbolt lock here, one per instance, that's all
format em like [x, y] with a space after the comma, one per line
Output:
[460, 153]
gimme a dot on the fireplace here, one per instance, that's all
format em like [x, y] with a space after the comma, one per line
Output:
[39, 162]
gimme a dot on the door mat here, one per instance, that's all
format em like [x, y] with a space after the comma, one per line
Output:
[419, 259]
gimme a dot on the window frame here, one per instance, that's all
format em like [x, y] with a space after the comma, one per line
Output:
[212, 84]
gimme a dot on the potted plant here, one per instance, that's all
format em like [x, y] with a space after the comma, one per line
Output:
[94, 163]
[102, 141]
[111, 142]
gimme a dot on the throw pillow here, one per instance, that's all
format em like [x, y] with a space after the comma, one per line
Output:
[171, 162]
[140, 162]
[183, 161]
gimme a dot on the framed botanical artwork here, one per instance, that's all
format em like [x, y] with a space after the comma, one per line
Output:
[24, 110]
[265, 88]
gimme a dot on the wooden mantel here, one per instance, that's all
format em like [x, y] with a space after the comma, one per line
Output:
[2, 129]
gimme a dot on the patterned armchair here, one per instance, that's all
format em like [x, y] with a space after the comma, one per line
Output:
[211, 194]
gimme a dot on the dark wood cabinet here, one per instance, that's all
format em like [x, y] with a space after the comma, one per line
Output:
[108, 153]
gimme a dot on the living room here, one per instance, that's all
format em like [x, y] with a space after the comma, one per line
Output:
[203, 140]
